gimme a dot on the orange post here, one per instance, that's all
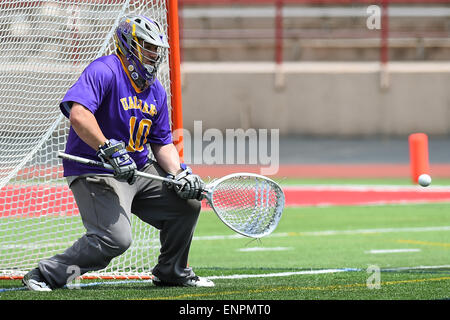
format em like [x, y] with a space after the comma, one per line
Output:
[175, 75]
[418, 155]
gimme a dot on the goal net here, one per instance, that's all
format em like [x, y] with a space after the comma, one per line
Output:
[44, 46]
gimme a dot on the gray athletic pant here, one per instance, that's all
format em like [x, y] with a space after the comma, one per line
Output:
[105, 206]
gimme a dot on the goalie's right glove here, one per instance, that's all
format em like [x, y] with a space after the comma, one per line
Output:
[192, 185]
[114, 153]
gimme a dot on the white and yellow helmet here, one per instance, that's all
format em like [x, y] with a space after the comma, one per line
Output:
[130, 36]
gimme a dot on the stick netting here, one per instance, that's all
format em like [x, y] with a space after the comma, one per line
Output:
[44, 46]
[249, 205]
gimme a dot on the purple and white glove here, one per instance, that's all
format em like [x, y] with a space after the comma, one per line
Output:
[114, 153]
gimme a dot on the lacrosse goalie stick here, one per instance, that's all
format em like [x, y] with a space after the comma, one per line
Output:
[248, 203]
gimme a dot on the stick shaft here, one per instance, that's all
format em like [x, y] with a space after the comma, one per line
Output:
[109, 167]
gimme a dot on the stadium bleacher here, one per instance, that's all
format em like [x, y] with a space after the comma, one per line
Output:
[327, 32]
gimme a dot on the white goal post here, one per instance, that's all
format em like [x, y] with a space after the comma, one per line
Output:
[44, 46]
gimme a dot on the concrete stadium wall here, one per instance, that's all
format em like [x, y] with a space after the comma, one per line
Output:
[324, 99]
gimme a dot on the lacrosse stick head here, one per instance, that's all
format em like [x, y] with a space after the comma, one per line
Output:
[249, 204]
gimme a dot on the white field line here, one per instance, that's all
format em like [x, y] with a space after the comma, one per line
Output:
[253, 249]
[368, 188]
[324, 271]
[281, 274]
[273, 235]
[372, 203]
[330, 233]
[246, 276]
[417, 268]
[376, 251]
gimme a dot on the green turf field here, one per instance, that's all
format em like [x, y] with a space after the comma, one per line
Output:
[316, 253]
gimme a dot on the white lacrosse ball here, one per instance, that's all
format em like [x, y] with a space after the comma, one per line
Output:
[424, 180]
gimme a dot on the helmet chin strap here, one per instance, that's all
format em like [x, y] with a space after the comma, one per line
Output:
[140, 82]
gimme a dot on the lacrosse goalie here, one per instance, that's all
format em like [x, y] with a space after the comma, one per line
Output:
[117, 107]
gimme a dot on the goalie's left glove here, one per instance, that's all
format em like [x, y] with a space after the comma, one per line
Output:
[192, 185]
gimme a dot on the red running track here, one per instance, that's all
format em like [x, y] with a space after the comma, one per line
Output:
[362, 195]
[34, 201]
[354, 170]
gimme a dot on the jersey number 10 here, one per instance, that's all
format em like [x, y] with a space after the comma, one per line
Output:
[138, 138]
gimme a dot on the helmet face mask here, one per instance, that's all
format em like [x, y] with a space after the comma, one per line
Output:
[143, 43]
[148, 55]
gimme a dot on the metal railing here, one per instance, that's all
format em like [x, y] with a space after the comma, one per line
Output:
[279, 32]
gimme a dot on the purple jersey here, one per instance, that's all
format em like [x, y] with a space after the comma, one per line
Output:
[122, 113]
